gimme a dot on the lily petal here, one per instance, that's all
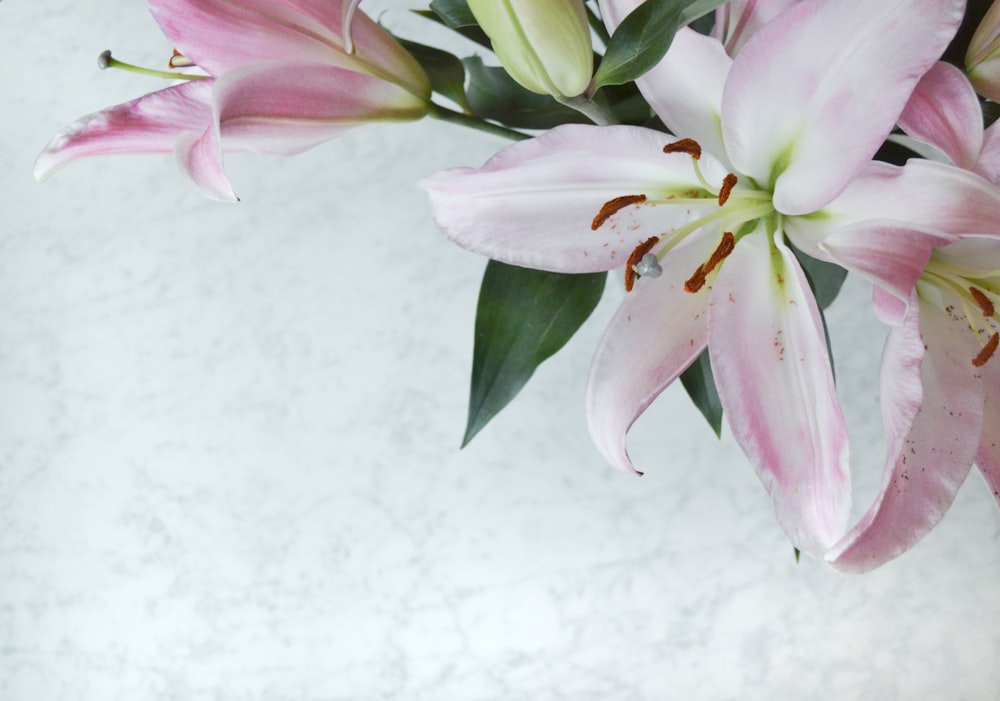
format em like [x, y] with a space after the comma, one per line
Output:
[286, 107]
[738, 20]
[943, 111]
[814, 93]
[988, 455]
[644, 350]
[149, 124]
[534, 202]
[988, 164]
[769, 356]
[199, 157]
[934, 196]
[347, 18]
[221, 36]
[685, 87]
[887, 253]
[929, 455]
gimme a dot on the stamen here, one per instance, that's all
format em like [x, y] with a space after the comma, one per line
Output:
[106, 60]
[728, 183]
[688, 146]
[725, 247]
[982, 300]
[611, 207]
[635, 258]
[987, 352]
[179, 60]
[696, 281]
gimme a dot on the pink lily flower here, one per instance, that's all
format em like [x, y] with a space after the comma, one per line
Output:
[281, 80]
[771, 137]
[931, 245]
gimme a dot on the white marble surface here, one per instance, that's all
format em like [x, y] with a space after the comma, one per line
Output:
[229, 463]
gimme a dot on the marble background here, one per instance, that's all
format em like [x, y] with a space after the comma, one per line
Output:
[229, 462]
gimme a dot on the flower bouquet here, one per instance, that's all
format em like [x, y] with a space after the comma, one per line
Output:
[731, 162]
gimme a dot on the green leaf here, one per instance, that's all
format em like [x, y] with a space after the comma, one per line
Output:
[454, 13]
[445, 70]
[524, 316]
[825, 279]
[493, 94]
[700, 386]
[643, 37]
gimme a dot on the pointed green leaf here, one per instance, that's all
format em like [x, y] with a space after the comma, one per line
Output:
[494, 95]
[700, 386]
[826, 279]
[445, 70]
[643, 37]
[454, 13]
[524, 316]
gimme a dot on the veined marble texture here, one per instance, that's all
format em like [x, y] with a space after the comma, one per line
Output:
[230, 465]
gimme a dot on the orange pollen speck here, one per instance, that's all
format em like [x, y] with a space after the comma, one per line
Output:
[982, 300]
[609, 208]
[633, 260]
[688, 146]
[987, 352]
[728, 183]
[696, 281]
[725, 247]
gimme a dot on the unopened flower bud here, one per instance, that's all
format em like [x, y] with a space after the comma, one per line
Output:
[543, 45]
[982, 59]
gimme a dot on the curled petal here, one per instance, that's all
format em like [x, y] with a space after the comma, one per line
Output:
[534, 203]
[286, 107]
[769, 356]
[645, 348]
[347, 17]
[149, 124]
[888, 254]
[943, 111]
[199, 156]
[930, 451]
[814, 93]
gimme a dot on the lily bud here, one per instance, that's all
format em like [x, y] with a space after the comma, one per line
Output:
[982, 59]
[544, 46]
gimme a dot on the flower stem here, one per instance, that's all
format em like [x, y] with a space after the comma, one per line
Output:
[588, 108]
[465, 120]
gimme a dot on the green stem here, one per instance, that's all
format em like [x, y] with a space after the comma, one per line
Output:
[588, 108]
[465, 120]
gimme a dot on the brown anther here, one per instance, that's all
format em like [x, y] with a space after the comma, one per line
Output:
[634, 258]
[724, 248]
[688, 146]
[611, 207]
[728, 183]
[696, 281]
[179, 60]
[987, 352]
[982, 300]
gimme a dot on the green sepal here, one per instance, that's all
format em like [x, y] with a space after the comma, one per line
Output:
[643, 37]
[700, 386]
[523, 317]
